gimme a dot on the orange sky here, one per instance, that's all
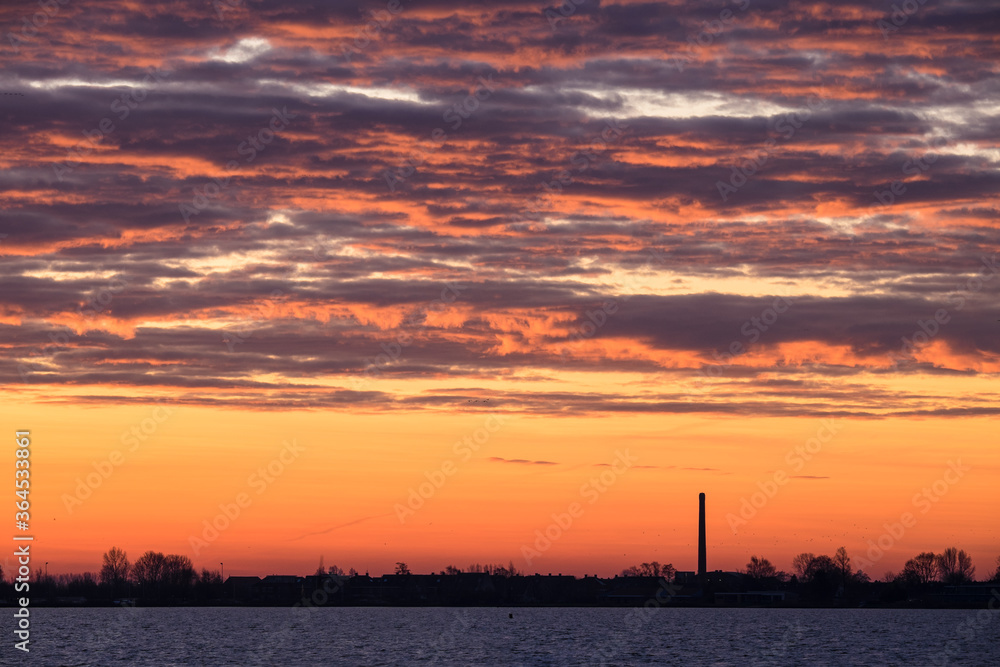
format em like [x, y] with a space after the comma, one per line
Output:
[338, 497]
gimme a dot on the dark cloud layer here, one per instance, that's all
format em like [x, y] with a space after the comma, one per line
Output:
[257, 203]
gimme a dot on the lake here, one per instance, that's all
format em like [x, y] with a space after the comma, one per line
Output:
[691, 637]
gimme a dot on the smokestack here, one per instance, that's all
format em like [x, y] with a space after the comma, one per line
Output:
[701, 536]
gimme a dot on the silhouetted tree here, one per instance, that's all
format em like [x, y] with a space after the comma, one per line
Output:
[759, 569]
[211, 577]
[320, 571]
[955, 566]
[178, 574]
[653, 569]
[114, 569]
[996, 574]
[821, 578]
[352, 572]
[451, 569]
[822, 565]
[843, 563]
[501, 571]
[209, 584]
[921, 569]
[334, 570]
[401, 568]
[800, 565]
[147, 572]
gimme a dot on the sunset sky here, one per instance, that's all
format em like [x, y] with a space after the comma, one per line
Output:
[413, 280]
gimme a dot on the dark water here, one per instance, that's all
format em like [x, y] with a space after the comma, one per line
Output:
[486, 636]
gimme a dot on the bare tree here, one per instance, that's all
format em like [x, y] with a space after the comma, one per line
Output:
[114, 569]
[955, 566]
[921, 569]
[843, 563]
[822, 569]
[653, 569]
[148, 570]
[401, 568]
[178, 572]
[801, 563]
[451, 569]
[759, 569]
[210, 577]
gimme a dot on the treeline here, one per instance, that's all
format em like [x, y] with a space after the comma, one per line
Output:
[951, 567]
[155, 577]
[823, 578]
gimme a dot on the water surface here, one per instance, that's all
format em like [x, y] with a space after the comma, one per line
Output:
[534, 636]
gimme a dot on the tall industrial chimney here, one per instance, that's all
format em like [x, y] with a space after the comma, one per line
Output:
[701, 537]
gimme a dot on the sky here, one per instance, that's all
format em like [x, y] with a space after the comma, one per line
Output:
[451, 282]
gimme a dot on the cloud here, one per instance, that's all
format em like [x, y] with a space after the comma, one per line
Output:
[872, 210]
[497, 459]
